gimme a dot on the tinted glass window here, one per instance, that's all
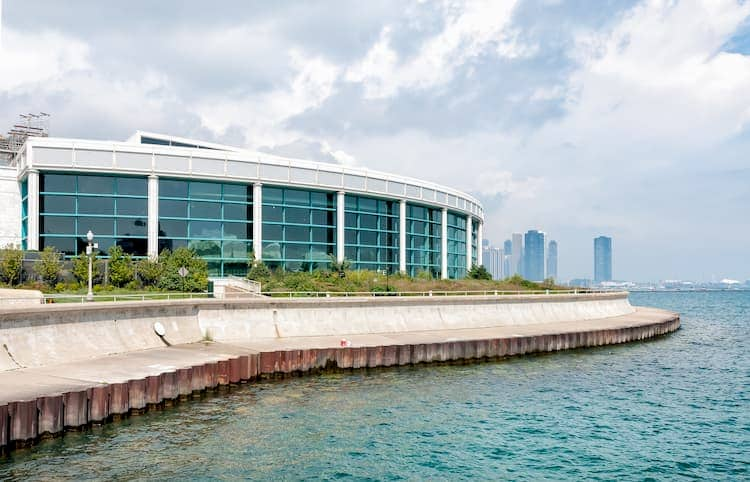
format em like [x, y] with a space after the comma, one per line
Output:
[272, 213]
[99, 205]
[169, 188]
[58, 204]
[132, 186]
[324, 218]
[172, 209]
[96, 185]
[321, 235]
[206, 247]
[206, 210]
[58, 183]
[294, 196]
[98, 226]
[205, 229]
[205, 190]
[237, 230]
[132, 206]
[272, 232]
[238, 192]
[297, 251]
[297, 215]
[272, 195]
[131, 227]
[172, 228]
[57, 225]
[64, 245]
[241, 212]
[297, 233]
[237, 249]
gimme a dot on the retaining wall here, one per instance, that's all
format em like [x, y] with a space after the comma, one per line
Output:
[24, 422]
[47, 335]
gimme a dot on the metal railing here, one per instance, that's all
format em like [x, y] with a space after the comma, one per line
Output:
[169, 296]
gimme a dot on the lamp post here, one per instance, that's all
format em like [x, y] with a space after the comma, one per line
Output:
[90, 252]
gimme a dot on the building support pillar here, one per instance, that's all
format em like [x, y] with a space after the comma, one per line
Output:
[480, 247]
[402, 236]
[468, 242]
[444, 245]
[340, 205]
[153, 217]
[32, 228]
[258, 221]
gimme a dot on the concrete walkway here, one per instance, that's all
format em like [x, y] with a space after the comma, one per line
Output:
[33, 383]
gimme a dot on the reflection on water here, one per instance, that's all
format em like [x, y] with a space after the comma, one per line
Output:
[674, 406]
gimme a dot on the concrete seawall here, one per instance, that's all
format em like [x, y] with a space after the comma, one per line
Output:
[133, 370]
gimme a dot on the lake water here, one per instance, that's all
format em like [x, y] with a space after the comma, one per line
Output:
[676, 407]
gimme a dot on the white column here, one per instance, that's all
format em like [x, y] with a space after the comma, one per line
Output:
[402, 236]
[258, 221]
[468, 243]
[32, 229]
[153, 217]
[444, 245]
[479, 242]
[340, 204]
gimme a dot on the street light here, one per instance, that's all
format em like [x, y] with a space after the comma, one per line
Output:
[89, 252]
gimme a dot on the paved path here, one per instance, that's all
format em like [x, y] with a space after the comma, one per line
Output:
[32, 383]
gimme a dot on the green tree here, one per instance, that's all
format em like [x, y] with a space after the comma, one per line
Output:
[81, 268]
[478, 272]
[337, 267]
[11, 264]
[258, 271]
[423, 274]
[197, 278]
[121, 270]
[150, 270]
[48, 266]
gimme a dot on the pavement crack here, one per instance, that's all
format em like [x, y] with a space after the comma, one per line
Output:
[10, 355]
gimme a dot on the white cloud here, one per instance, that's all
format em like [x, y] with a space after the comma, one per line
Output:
[502, 183]
[471, 28]
[45, 57]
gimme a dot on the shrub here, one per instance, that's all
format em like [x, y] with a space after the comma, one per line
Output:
[150, 270]
[478, 272]
[81, 268]
[423, 274]
[11, 265]
[197, 278]
[258, 271]
[48, 266]
[121, 271]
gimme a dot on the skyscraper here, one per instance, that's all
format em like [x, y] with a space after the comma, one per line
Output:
[492, 259]
[507, 250]
[552, 259]
[602, 259]
[516, 254]
[533, 255]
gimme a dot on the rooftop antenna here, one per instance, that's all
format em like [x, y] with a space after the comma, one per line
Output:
[29, 125]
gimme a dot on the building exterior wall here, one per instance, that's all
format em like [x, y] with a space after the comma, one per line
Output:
[533, 248]
[229, 203]
[10, 195]
[602, 259]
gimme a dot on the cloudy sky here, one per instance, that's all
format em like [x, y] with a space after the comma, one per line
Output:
[579, 118]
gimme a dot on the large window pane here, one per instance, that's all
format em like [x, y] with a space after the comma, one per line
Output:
[66, 246]
[297, 215]
[132, 186]
[131, 227]
[132, 206]
[206, 248]
[237, 230]
[241, 212]
[369, 238]
[205, 190]
[297, 251]
[237, 249]
[57, 225]
[205, 229]
[322, 235]
[171, 188]
[96, 185]
[272, 232]
[173, 228]
[324, 218]
[58, 183]
[238, 192]
[297, 233]
[98, 226]
[96, 205]
[205, 210]
[58, 204]
[272, 213]
[272, 195]
[294, 196]
[172, 209]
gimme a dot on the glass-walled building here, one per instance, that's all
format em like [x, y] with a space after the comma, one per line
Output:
[156, 192]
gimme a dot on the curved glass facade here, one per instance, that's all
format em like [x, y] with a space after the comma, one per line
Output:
[299, 228]
[214, 219]
[456, 245]
[371, 236]
[423, 240]
[113, 207]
